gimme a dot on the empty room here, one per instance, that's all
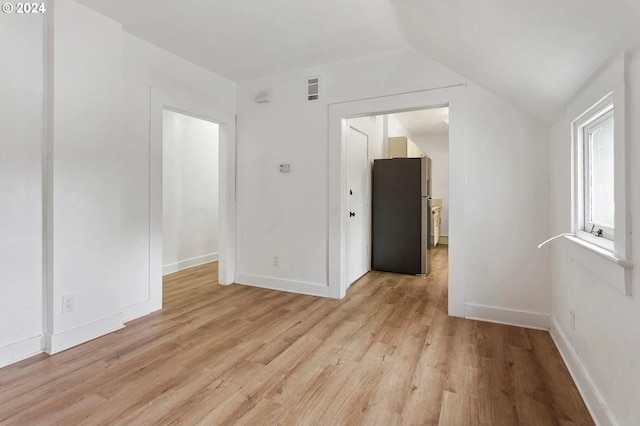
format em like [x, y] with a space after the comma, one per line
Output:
[367, 212]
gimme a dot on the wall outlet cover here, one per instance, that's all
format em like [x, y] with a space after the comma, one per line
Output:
[68, 303]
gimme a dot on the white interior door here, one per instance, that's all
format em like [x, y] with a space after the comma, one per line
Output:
[358, 175]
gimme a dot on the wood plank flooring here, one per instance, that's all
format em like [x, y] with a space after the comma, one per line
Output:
[386, 354]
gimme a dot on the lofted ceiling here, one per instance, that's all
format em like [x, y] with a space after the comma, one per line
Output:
[247, 39]
[535, 54]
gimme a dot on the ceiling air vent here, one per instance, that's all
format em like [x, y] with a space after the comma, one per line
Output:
[313, 85]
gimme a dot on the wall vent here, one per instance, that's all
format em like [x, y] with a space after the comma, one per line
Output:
[313, 89]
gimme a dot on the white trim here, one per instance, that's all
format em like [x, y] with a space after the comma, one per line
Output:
[601, 264]
[612, 81]
[579, 125]
[59, 342]
[138, 310]
[455, 98]
[23, 349]
[498, 315]
[292, 286]
[592, 398]
[159, 101]
[189, 263]
[47, 171]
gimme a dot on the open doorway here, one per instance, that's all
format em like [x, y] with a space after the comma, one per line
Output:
[161, 101]
[189, 191]
[410, 244]
[339, 114]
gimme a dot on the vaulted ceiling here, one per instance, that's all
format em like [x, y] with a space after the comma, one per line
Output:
[534, 53]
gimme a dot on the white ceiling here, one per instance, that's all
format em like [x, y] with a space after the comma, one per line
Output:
[534, 53]
[426, 122]
[247, 39]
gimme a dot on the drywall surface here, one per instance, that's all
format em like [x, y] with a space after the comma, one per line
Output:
[87, 174]
[604, 345]
[190, 191]
[396, 128]
[147, 66]
[100, 174]
[286, 215]
[21, 141]
[437, 148]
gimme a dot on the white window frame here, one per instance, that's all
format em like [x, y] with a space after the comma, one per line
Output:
[595, 122]
[607, 259]
[616, 242]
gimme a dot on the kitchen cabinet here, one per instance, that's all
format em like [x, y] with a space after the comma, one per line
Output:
[401, 147]
[436, 220]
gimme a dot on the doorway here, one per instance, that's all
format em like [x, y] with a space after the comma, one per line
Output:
[159, 102]
[452, 97]
[190, 191]
[411, 134]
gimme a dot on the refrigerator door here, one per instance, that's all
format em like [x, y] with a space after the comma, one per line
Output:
[398, 216]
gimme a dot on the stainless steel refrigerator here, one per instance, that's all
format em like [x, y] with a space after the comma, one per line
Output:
[401, 216]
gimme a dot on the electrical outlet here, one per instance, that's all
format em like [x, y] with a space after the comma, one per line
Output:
[68, 303]
[572, 317]
[276, 261]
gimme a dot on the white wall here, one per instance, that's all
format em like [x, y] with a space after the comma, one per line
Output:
[603, 349]
[395, 128]
[87, 174]
[99, 179]
[21, 137]
[507, 191]
[147, 66]
[190, 191]
[437, 148]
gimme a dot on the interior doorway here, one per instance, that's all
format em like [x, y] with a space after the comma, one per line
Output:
[160, 101]
[454, 99]
[412, 134]
[190, 191]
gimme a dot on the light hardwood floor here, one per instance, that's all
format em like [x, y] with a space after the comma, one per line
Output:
[386, 354]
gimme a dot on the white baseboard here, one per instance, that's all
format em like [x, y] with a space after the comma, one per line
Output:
[300, 287]
[138, 310]
[444, 240]
[592, 398]
[59, 342]
[23, 349]
[188, 263]
[527, 319]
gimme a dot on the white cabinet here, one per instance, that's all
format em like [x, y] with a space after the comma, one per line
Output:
[436, 220]
[401, 146]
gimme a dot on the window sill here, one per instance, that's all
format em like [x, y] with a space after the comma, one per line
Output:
[602, 262]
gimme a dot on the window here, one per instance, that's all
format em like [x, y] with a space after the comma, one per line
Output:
[600, 184]
[598, 176]
[594, 144]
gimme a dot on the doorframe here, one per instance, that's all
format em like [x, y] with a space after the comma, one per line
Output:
[455, 98]
[368, 198]
[159, 101]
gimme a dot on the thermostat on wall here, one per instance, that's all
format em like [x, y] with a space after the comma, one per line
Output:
[285, 168]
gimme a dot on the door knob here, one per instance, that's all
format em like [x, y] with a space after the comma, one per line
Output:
[351, 214]
[350, 192]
